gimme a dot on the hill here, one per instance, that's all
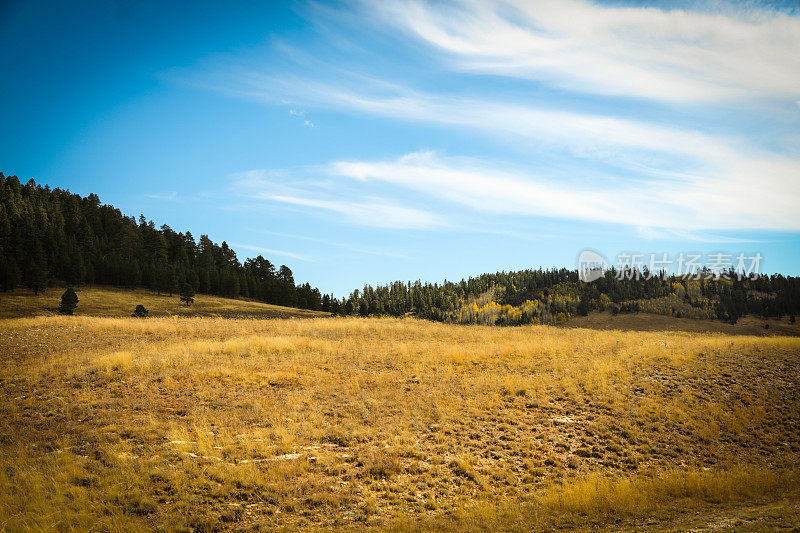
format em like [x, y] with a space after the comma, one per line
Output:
[116, 302]
[555, 297]
[748, 325]
[212, 424]
[49, 235]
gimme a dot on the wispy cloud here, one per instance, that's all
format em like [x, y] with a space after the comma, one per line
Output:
[300, 113]
[689, 205]
[682, 235]
[344, 245]
[646, 52]
[173, 195]
[713, 173]
[261, 249]
[655, 175]
[655, 209]
[584, 133]
[376, 212]
[289, 186]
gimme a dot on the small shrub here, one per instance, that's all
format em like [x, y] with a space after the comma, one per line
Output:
[381, 465]
[338, 439]
[135, 505]
[552, 461]
[463, 469]
[140, 312]
[583, 452]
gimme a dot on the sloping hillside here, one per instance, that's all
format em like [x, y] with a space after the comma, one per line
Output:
[748, 325]
[207, 424]
[116, 302]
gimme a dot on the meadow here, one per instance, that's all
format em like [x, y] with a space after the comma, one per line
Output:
[206, 423]
[120, 302]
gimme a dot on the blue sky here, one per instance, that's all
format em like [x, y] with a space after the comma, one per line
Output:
[363, 142]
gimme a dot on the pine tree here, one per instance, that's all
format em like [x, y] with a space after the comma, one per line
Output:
[10, 274]
[172, 281]
[69, 301]
[37, 277]
[187, 293]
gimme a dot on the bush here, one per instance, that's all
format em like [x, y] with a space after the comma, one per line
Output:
[140, 312]
[69, 301]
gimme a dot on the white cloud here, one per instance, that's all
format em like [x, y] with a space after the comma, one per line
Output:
[300, 113]
[646, 52]
[692, 204]
[270, 251]
[163, 196]
[729, 198]
[720, 181]
[675, 234]
[346, 246]
[372, 212]
[291, 186]
[674, 179]
[583, 134]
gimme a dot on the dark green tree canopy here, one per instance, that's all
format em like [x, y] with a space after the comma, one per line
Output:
[543, 296]
[51, 234]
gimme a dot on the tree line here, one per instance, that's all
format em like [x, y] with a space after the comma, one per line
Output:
[51, 234]
[553, 296]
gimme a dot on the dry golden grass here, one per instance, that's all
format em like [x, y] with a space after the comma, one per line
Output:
[747, 325]
[203, 423]
[117, 302]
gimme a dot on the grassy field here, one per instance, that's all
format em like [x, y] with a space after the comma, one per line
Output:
[116, 302]
[747, 325]
[197, 423]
